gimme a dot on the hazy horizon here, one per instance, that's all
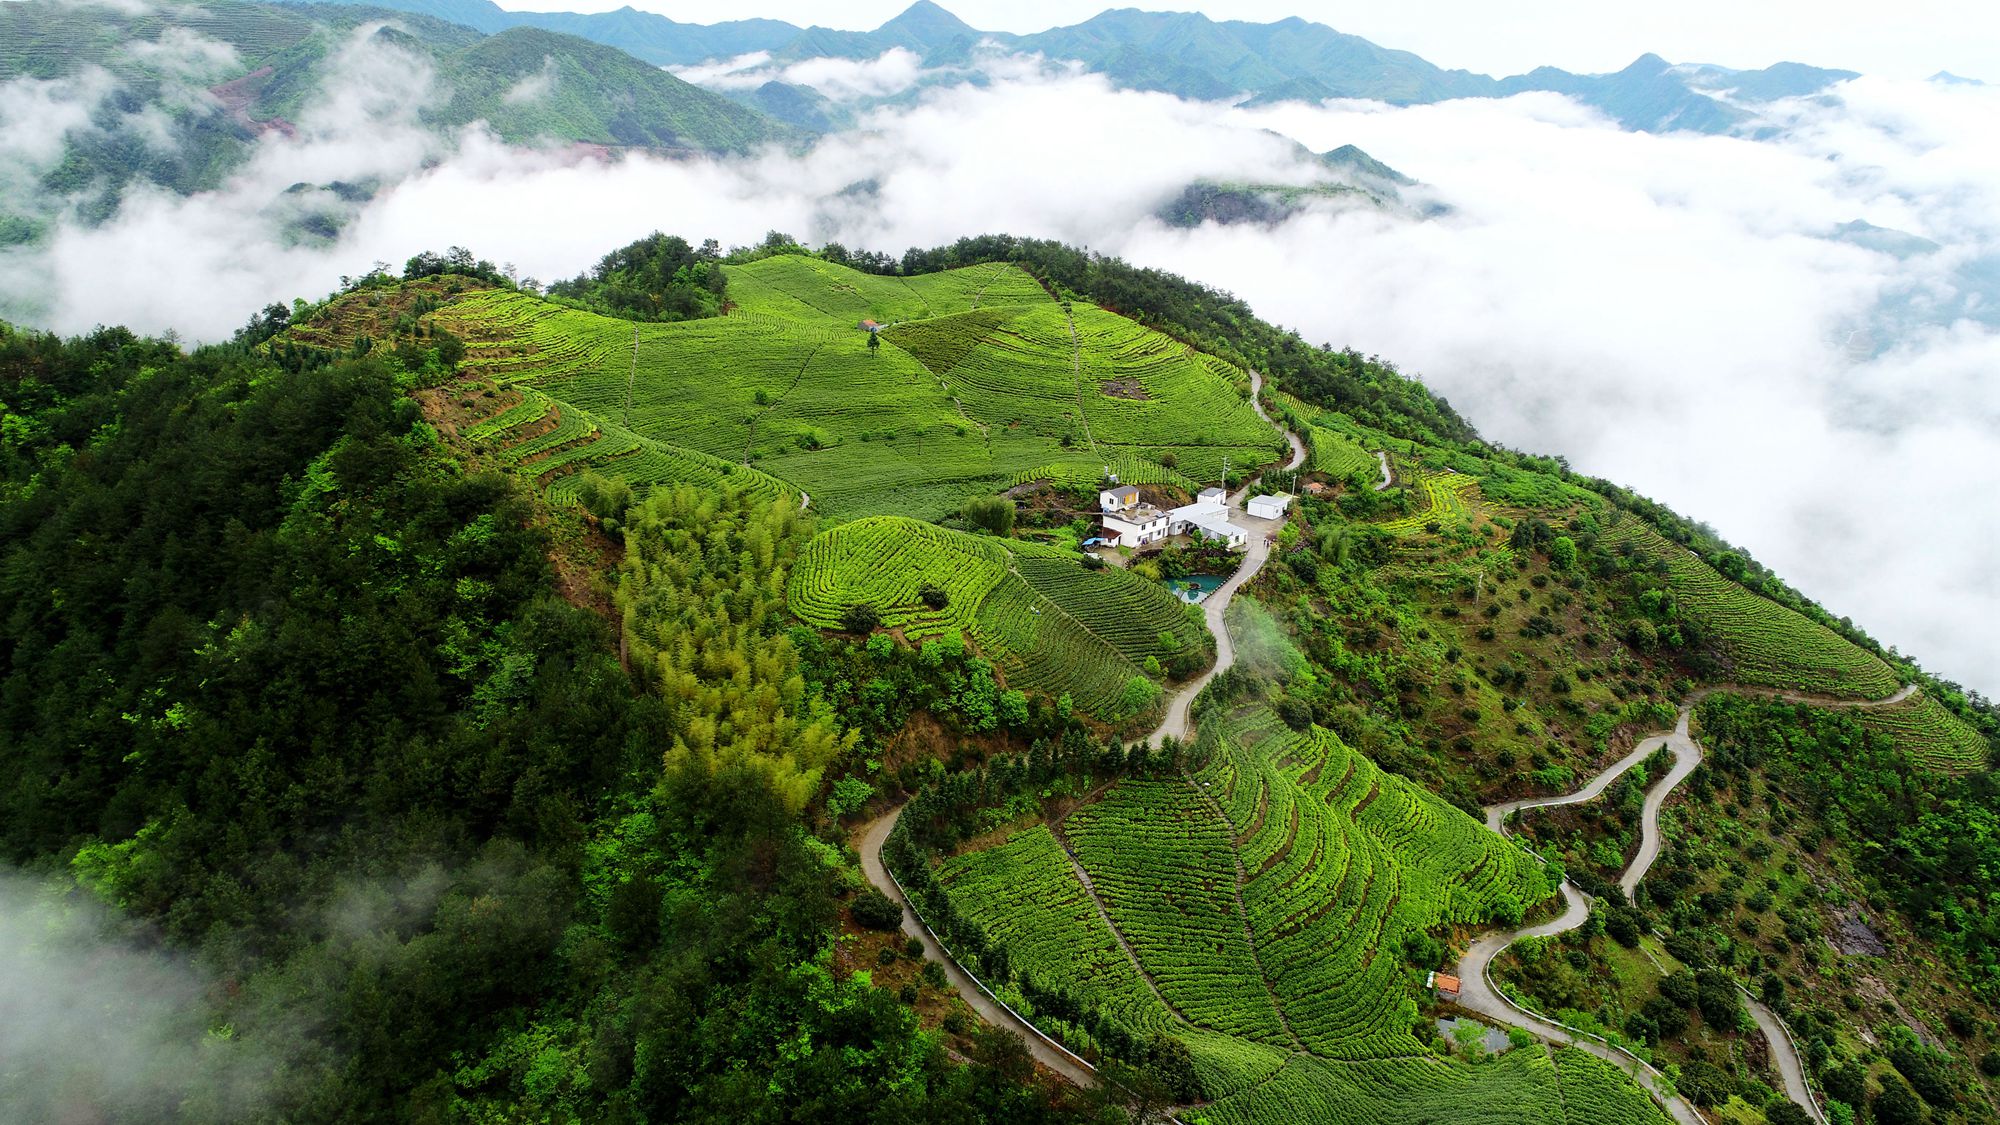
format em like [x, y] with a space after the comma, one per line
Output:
[1913, 40]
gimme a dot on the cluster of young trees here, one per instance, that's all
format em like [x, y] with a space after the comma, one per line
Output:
[658, 278]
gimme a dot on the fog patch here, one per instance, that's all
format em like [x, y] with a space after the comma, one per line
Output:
[535, 86]
[894, 71]
[186, 55]
[37, 117]
[99, 1023]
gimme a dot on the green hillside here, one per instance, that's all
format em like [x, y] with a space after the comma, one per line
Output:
[1761, 642]
[1052, 627]
[982, 380]
[1265, 911]
[594, 674]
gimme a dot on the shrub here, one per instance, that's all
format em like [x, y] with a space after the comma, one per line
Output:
[933, 596]
[861, 618]
[991, 514]
[877, 911]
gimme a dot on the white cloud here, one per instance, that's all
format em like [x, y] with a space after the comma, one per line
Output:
[1667, 311]
[887, 75]
[536, 86]
[38, 115]
[740, 73]
[185, 54]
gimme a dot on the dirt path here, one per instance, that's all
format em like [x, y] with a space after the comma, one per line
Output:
[1046, 1051]
[1076, 349]
[1478, 992]
[1388, 478]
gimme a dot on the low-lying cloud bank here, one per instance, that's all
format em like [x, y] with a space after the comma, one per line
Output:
[1685, 314]
[97, 1026]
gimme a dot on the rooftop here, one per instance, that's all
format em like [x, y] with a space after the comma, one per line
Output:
[1143, 513]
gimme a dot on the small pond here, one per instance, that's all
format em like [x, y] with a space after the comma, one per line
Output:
[1195, 588]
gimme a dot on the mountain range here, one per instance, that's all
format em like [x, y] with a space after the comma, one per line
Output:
[1182, 53]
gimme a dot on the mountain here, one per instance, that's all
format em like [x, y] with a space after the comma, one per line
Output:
[1189, 55]
[1345, 177]
[187, 90]
[452, 701]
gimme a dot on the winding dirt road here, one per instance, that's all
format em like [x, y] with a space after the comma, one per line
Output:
[1477, 990]
[1388, 478]
[1045, 1050]
[1176, 722]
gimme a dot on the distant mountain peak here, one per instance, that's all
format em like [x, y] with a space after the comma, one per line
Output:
[928, 19]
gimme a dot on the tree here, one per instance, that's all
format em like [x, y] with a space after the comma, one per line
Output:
[861, 618]
[1562, 552]
[1782, 1112]
[1471, 1038]
[1896, 1105]
[874, 341]
[991, 514]
[876, 911]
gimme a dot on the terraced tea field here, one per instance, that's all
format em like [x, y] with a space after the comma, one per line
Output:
[982, 381]
[1050, 626]
[1335, 454]
[1257, 910]
[1767, 644]
[1929, 734]
[1443, 503]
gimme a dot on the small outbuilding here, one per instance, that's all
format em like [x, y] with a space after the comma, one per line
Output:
[1447, 987]
[1270, 507]
[870, 326]
[1118, 498]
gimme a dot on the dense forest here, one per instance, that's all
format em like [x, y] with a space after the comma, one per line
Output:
[288, 682]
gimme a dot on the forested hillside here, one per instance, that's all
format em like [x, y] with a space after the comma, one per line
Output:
[178, 95]
[513, 705]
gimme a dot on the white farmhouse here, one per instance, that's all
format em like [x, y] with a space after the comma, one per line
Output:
[1270, 507]
[1209, 517]
[1136, 525]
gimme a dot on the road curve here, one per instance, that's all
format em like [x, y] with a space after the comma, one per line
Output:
[1388, 478]
[1785, 1053]
[1477, 991]
[1687, 755]
[1178, 722]
[1044, 1049]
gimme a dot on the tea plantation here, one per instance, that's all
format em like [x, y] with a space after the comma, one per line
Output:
[1258, 910]
[1767, 644]
[1051, 626]
[979, 381]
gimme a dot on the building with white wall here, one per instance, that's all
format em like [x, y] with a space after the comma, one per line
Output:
[1270, 507]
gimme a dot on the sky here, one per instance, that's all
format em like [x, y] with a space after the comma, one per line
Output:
[1914, 39]
[1670, 312]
